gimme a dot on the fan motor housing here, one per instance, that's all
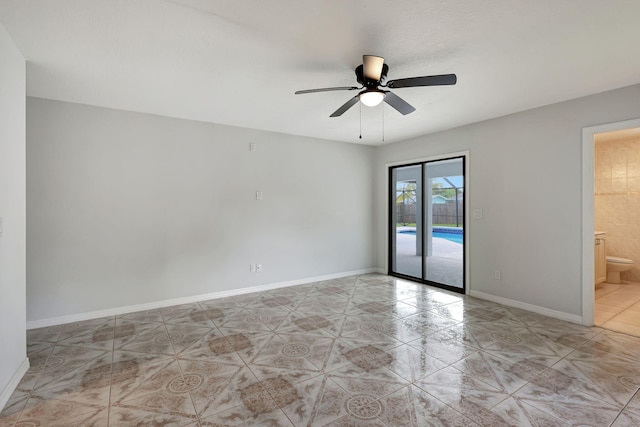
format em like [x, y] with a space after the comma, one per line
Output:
[371, 83]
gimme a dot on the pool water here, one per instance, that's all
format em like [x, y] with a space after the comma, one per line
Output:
[453, 236]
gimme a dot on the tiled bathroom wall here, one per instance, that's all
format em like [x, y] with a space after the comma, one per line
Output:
[617, 198]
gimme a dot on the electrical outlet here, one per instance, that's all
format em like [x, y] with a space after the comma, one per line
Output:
[497, 275]
[258, 268]
[252, 147]
[259, 195]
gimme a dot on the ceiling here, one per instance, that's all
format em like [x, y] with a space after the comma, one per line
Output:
[239, 62]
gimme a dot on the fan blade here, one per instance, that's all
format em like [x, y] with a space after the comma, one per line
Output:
[372, 67]
[398, 103]
[326, 89]
[440, 80]
[350, 103]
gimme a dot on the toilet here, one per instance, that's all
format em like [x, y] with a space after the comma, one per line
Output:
[615, 266]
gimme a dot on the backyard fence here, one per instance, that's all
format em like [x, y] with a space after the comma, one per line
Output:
[406, 213]
[445, 213]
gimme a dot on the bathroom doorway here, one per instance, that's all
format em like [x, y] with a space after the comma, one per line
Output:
[611, 200]
[616, 203]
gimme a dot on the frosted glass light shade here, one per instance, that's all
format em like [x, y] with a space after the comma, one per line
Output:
[372, 98]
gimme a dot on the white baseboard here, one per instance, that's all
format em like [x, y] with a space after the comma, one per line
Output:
[13, 382]
[41, 323]
[573, 318]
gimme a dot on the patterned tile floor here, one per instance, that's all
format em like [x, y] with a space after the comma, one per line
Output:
[361, 351]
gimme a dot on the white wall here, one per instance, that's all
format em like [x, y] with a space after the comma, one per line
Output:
[127, 208]
[525, 174]
[13, 360]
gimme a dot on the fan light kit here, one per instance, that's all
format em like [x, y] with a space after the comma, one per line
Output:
[371, 98]
[372, 75]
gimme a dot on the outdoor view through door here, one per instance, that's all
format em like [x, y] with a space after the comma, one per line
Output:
[426, 227]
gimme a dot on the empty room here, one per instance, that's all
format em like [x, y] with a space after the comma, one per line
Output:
[319, 213]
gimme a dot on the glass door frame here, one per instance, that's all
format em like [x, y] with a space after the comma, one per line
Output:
[392, 229]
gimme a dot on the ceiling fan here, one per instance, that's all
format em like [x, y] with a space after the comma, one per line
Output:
[372, 75]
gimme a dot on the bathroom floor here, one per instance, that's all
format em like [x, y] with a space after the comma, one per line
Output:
[617, 307]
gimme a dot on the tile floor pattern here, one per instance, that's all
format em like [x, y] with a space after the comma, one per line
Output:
[617, 307]
[359, 351]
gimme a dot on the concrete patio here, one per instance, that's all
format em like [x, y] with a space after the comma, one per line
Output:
[445, 265]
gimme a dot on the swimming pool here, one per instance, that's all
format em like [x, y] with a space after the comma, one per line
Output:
[452, 234]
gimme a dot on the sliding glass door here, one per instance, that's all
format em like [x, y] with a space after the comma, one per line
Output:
[426, 227]
[406, 220]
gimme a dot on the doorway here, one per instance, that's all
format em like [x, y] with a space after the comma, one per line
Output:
[426, 222]
[617, 227]
[588, 212]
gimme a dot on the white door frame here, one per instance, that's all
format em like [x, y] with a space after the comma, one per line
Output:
[588, 199]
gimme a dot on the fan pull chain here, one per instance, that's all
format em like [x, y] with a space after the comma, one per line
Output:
[383, 122]
[360, 120]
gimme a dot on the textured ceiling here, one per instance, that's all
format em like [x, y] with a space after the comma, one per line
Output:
[238, 62]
